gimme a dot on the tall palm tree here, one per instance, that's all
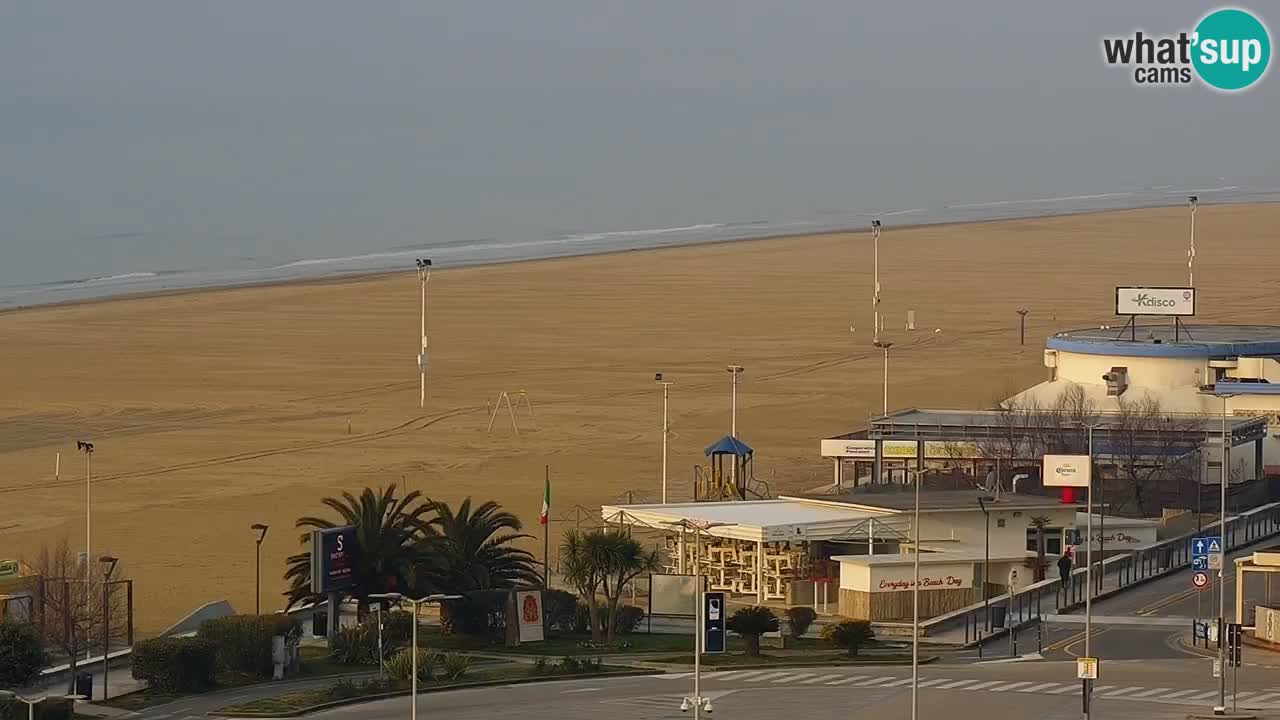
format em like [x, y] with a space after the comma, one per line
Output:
[472, 549]
[387, 533]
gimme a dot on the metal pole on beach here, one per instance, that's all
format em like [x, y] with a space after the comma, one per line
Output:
[424, 276]
[875, 288]
[1192, 200]
[666, 385]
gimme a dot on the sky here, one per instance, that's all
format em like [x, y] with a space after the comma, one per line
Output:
[167, 135]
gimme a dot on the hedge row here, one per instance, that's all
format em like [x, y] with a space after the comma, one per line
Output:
[243, 642]
[175, 664]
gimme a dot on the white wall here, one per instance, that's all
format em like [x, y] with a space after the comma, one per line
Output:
[968, 527]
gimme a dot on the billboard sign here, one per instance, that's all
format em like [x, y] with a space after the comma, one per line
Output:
[1066, 471]
[713, 620]
[333, 559]
[1156, 301]
[9, 568]
[529, 610]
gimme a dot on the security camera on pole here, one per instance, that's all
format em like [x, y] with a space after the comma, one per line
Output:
[697, 702]
[424, 276]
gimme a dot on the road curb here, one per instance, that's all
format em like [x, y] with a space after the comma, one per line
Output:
[1226, 716]
[427, 690]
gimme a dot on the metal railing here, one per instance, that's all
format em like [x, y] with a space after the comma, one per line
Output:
[1117, 573]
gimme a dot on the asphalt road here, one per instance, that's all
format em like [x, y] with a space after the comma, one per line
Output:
[1169, 597]
[1157, 690]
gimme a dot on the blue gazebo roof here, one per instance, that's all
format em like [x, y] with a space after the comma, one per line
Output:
[728, 445]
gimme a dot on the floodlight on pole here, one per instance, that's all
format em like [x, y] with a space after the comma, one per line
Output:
[396, 598]
[424, 277]
[1193, 201]
[87, 448]
[666, 386]
[875, 287]
[257, 566]
[698, 702]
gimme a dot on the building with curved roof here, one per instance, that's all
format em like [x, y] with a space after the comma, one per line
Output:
[1186, 369]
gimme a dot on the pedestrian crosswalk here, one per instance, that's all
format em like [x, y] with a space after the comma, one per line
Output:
[1268, 699]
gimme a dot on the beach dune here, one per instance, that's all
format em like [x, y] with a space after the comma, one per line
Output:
[213, 410]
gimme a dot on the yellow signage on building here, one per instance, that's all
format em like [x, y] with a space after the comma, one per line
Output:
[9, 569]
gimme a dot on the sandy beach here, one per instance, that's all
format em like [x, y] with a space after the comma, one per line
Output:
[217, 409]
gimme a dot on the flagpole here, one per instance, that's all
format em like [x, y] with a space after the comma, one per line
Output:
[546, 530]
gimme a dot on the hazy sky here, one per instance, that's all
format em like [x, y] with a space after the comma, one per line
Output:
[230, 130]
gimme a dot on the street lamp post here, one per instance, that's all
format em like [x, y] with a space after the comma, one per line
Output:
[397, 597]
[257, 567]
[1087, 689]
[1022, 326]
[986, 563]
[885, 346]
[698, 702]
[666, 386]
[1221, 707]
[424, 276]
[108, 567]
[31, 703]
[875, 288]
[915, 597]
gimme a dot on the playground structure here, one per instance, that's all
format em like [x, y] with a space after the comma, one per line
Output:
[522, 398]
[729, 473]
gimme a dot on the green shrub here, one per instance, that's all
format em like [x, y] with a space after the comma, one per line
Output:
[849, 634]
[581, 618]
[343, 689]
[397, 628]
[21, 656]
[244, 641]
[800, 619]
[751, 623]
[568, 664]
[560, 609]
[627, 619]
[454, 665]
[356, 645]
[539, 667]
[175, 664]
[400, 666]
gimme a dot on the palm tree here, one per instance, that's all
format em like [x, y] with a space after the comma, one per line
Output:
[751, 623]
[603, 562]
[387, 530]
[1040, 522]
[472, 549]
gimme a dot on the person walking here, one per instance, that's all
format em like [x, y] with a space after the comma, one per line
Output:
[1064, 568]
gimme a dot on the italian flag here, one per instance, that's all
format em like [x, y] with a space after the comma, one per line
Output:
[546, 504]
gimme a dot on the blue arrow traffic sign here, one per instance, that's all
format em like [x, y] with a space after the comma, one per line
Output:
[1200, 562]
[1207, 545]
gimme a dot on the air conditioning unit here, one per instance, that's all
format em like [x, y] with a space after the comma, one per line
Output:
[1117, 381]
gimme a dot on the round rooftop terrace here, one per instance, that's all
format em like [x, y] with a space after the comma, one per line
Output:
[1190, 341]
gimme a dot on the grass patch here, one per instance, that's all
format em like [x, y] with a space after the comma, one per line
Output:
[831, 658]
[561, 645]
[299, 701]
[558, 645]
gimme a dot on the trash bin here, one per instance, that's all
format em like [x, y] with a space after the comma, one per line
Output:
[84, 684]
[998, 614]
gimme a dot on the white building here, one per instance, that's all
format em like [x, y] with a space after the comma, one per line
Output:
[1186, 368]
